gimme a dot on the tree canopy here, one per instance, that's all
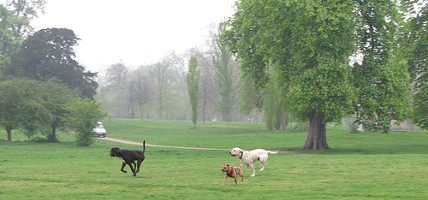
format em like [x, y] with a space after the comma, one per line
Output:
[310, 43]
[15, 17]
[33, 106]
[49, 53]
[416, 43]
[381, 80]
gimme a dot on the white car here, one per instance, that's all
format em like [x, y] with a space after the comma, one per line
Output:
[99, 130]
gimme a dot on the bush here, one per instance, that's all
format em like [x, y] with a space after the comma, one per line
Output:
[83, 116]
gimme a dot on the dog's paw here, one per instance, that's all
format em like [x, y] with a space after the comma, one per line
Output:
[253, 175]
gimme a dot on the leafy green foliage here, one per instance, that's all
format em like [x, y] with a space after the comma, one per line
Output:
[15, 17]
[34, 106]
[22, 106]
[381, 80]
[83, 116]
[192, 80]
[416, 44]
[309, 42]
[49, 53]
[274, 102]
[55, 96]
[224, 77]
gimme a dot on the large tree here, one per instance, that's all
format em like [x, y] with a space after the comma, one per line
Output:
[117, 92]
[49, 53]
[224, 75]
[54, 97]
[416, 43]
[15, 17]
[309, 42]
[142, 89]
[32, 106]
[18, 101]
[167, 81]
[207, 88]
[192, 80]
[381, 80]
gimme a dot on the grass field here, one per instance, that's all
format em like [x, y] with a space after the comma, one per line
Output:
[358, 166]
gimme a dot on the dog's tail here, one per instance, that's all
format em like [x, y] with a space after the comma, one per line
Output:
[272, 152]
[144, 146]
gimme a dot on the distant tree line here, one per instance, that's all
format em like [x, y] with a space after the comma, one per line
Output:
[160, 90]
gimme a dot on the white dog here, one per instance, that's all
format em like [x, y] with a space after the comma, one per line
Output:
[249, 157]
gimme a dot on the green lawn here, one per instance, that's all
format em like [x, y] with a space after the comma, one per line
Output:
[358, 166]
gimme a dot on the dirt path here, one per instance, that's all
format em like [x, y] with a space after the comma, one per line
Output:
[176, 147]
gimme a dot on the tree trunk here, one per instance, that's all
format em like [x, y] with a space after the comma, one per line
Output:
[131, 113]
[52, 137]
[203, 110]
[283, 121]
[141, 112]
[316, 139]
[9, 134]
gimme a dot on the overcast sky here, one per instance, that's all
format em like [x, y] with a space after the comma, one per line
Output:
[134, 32]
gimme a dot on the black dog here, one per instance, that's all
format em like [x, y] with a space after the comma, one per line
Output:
[129, 157]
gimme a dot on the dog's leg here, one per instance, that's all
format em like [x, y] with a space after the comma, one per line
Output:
[236, 182]
[242, 175]
[263, 158]
[225, 177]
[135, 166]
[132, 168]
[262, 166]
[135, 169]
[123, 165]
[252, 167]
[248, 167]
[138, 165]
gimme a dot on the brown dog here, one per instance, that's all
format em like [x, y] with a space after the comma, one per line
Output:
[232, 172]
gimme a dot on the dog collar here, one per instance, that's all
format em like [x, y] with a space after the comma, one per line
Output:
[231, 173]
[240, 157]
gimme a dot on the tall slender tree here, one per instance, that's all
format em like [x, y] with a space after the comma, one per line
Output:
[192, 80]
[222, 57]
[207, 88]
